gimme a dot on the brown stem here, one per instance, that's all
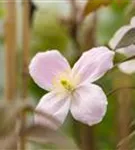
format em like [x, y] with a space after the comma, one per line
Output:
[86, 133]
[123, 108]
[87, 137]
[127, 59]
[10, 46]
[119, 89]
[74, 27]
[26, 41]
[117, 64]
[89, 37]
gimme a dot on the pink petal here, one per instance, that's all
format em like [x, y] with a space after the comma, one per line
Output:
[128, 67]
[93, 64]
[54, 104]
[89, 104]
[45, 66]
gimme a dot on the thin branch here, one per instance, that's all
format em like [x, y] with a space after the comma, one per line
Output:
[26, 41]
[74, 26]
[130, 58]
[10, 46]
[123, 107]
[126, 139]
[119, 89]
[127, 59]
[29, 108]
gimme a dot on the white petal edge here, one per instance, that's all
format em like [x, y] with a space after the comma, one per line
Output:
[132, 22]
[55, 104]
[89, 104]
[127, 67]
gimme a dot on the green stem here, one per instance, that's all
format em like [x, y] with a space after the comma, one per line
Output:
[119, 89]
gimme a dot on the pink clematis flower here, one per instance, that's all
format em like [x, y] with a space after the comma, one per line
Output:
[72, 89]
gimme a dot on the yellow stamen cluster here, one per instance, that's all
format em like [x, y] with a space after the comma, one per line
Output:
[67, 85]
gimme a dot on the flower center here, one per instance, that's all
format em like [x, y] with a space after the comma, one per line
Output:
[67, 85]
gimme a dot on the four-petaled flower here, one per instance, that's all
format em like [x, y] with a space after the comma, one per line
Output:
[72, 89]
